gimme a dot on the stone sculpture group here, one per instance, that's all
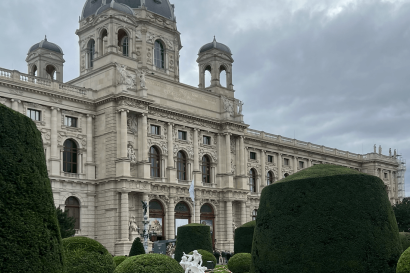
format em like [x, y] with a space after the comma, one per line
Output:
[192, 263]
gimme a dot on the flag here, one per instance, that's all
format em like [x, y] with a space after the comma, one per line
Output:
[192, 191]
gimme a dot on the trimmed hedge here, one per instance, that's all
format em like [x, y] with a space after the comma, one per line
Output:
[30, 238]
[149, 263]
[326, 219]
[87, 255]
[119, 259]
[137, 248]
[240, 263]
[244, 237]
[403, 266]
[206, 256]
[405, 240]
[193, 237]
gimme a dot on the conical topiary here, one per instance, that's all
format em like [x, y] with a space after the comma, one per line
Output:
[137, 248]
[193, 237]
[30, 239]
[326, 218]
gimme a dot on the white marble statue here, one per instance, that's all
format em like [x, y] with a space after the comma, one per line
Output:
[192, 263]
[133, 225]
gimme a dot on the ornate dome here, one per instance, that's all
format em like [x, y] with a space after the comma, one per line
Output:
[161, 7]
[47, 45]
[116, 6]
[216, 45]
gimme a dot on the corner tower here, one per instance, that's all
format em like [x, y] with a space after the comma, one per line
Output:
[216, 57]
[45, 60]
[139, 34]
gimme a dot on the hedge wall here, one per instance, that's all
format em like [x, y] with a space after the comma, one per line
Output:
[326, 219]
[30, 239]
[244, 237]
[193, 237]
[137, 248]
[240, 263]
[149, 263]
[405, 240]
[87, 255]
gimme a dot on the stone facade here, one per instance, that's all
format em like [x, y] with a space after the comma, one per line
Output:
[128, 99]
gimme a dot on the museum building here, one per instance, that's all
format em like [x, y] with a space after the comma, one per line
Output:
[127, 130]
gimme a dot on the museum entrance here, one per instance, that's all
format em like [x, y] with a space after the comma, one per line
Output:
[182, 215]
[208, 218]
[156, 221]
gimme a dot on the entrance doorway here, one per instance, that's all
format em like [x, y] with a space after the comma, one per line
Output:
[156, 220]
[208, 218]
[182, 215]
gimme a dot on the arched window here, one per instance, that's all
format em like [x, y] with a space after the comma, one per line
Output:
[70, 156]
[222, 76]
[181, 166]
[254, 214]
[156, 220]
[252, 180]
[155, 160]
[123, 42]
[51, 70]
[208, 218]
[206, 169]
[159, 54]
[34, 70]
[72, 205]
[91, 52]
[207, 76]
[103, 42]
[269, 178]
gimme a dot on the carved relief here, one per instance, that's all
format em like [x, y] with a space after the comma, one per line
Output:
[46, 135]
[78, 137]
[257, 167]
[132, 123]
[132, 104]
[161, 145]
[233, 145]
[149, 55]
[187, 149]
[127, 78]
[3, 101]
[211, 153]
[124, 18]
[228, 105]
[16, 92]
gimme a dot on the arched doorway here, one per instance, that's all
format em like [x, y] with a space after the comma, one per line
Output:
[72, 205]
[156, 220]
[208, 218]
[182, 215]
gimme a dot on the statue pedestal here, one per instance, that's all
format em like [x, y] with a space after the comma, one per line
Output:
[134, 235]
[142, 92]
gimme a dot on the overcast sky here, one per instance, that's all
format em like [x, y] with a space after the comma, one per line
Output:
[330, 72]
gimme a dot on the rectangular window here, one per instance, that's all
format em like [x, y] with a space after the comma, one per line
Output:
[301, 163]
[70, 121]
[270, 158]
[253, 155]
[385, 175]
[207, 140]
[34, 114]
[182, 135]
[286, 162]
[155, 130]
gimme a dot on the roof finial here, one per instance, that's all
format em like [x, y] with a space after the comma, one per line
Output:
[45, 37]
[214, 42]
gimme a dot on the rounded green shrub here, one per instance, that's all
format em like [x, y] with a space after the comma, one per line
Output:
[244, 237]
[87, 255]
[119, 259]
[193, 237]
[149, 263]
[206, 256]
[405, 240]
[137, 248]
[403, 266]
[240, 263]
[30, 239]
[326, 218]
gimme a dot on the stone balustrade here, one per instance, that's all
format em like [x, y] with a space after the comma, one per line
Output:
[314, 147]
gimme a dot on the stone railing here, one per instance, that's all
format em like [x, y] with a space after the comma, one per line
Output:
[17, 76]
[314, 147]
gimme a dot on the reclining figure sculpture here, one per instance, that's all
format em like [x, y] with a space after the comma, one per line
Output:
[192, 263]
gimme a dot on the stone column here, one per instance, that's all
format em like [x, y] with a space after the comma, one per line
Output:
[243, 212]
[170, 147]
[228, 152]
[295, 164]
[197, 211]
[144, 144]
[196, 152]
[309, 163]
[55, 160]
[124, 216]
[280, 166]
[123, 134]
[15, 104]
[220, 155]
[89, 138]
[263, 174]
[171, 218]
[144, 47]
[228, 224]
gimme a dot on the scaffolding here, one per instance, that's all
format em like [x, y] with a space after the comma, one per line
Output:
[401, 191]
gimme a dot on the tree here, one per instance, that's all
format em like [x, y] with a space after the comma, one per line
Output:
[402, 212]
[66, 223]
[137, 248]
